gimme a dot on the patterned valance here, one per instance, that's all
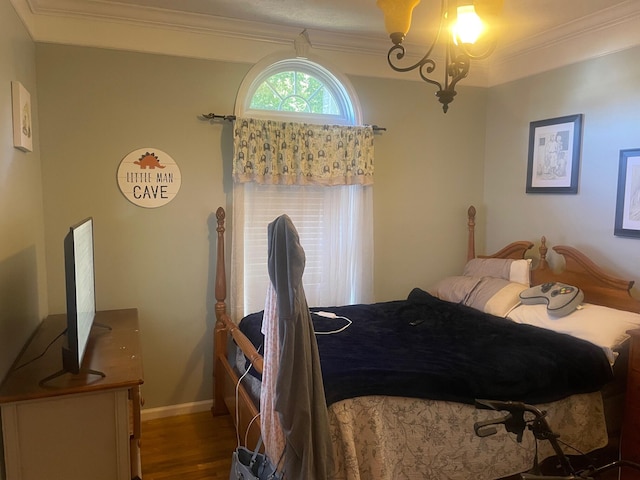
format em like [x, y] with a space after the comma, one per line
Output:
[276, 152]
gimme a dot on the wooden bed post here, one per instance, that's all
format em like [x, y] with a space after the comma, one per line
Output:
[543, 265]
[515, 250]
[471, 248]
[228, 394]
[220, 334]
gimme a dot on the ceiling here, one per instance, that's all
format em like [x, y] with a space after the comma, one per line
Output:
[537, 34]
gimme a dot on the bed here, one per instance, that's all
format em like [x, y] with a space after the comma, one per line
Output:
[392, 436]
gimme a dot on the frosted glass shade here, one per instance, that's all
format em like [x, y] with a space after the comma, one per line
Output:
[397, 15]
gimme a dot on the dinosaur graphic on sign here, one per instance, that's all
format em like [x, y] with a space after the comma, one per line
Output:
[149, 160]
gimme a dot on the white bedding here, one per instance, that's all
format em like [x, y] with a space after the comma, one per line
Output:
[602, 326]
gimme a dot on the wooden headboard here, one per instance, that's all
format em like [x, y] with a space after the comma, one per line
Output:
[599, 287]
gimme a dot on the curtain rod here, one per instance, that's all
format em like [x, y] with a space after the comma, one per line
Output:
[213, 116]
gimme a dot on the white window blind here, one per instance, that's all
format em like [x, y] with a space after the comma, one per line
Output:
[335, 232]
[305, 207]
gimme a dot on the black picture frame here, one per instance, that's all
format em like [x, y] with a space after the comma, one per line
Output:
[554, 155]
[627, 223]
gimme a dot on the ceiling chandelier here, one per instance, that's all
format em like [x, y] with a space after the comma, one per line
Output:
[469, 34]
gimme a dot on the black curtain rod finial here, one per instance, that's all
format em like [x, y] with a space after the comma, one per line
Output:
[213, 116]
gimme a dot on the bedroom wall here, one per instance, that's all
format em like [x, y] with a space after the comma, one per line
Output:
[97, 105]
[428, 170]
[23, 288]
[605, 91]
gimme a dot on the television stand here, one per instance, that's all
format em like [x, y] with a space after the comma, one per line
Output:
[101, 325]
[75, 426]
[59, 373]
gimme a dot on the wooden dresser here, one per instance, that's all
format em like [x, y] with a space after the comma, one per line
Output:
[75, 426]
[630, 440]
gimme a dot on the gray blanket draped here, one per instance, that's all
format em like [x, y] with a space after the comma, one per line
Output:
[300, 399]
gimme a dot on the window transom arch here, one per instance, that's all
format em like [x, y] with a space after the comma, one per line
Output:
[297, 89]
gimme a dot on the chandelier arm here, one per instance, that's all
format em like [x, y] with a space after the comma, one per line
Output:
[481, 56]
[425, 65]
[428, 66]
[458, 69]
[400, 51]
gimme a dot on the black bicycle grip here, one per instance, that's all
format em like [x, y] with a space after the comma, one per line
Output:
[487, 428]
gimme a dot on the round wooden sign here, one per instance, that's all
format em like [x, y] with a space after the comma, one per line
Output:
[149, 177]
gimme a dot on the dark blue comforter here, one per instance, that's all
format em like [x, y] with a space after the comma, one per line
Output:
[427, 348]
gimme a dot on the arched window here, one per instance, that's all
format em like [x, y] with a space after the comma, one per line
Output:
[334, 222]
[299, 90]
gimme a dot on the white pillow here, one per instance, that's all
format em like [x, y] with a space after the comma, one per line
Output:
[520, 271]
[602, 326]
[505, 268]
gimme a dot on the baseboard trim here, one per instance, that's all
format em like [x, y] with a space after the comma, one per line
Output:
[172, 410]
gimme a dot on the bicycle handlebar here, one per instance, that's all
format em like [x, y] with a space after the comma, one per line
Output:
[509, 406]
[487, 428]
[513, 422]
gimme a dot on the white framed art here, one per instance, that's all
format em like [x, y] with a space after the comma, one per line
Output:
[627, 222]
[554, 155]
[22, 124]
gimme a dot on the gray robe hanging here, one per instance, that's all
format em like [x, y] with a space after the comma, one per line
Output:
[300, 400]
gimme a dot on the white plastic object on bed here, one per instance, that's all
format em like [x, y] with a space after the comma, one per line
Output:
[324, 314]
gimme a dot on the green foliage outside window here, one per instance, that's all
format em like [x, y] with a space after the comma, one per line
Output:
[294, 91]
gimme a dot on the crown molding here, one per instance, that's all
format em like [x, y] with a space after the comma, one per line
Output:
[608, 31]
[202, 23]
[111, 25]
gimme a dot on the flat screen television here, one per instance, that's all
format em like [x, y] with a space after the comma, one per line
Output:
[80, 290]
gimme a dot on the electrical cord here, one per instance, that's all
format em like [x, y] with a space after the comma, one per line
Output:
[29, 362]
[332, 315]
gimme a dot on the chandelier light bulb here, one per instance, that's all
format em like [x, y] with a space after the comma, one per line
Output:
[468, 26]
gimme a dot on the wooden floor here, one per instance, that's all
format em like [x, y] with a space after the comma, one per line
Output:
[197, 446]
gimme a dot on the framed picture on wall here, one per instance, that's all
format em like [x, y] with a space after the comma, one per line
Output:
[627, 222]
[22, 126]
[554, 155]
